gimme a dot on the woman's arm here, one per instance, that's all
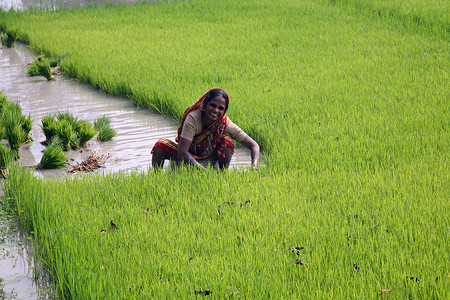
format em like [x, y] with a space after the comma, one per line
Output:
[249, 143]
[184, 155]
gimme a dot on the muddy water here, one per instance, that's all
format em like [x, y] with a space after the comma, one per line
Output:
[21, 275]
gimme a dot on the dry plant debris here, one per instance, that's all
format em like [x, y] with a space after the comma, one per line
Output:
[94, 161]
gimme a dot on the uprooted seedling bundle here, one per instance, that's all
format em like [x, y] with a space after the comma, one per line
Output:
[41, 67]
[46, 67]
[15, 127]
[103, 126]
[63, 131]
[67, 130]
[8, 38]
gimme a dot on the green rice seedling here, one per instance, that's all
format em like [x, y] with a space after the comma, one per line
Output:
[85, 132]
[41, 67]
[73, 121]
[49, 128]
[57, 141]
[106, 133]
[102, 121]
[45, 70]
[65, 133]
[75, 141]
[15, 137]
[5, 159]
[53, 158]
[11, 120]
[103, 126]
[26, 126]
[3, 101]
[9, 38]
[33, 69]
[53, 62]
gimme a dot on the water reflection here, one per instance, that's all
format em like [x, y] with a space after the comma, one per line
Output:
[21, 275]
[55, 4]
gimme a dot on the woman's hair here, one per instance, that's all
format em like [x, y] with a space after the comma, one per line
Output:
[214, 93]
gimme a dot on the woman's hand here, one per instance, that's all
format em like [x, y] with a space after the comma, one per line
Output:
[249, 143]
[184, 155]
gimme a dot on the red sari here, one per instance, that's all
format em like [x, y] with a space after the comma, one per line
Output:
[205, 144]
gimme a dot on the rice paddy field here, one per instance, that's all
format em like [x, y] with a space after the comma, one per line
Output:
[350, 103]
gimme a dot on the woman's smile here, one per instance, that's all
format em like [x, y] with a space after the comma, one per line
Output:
[214, 110]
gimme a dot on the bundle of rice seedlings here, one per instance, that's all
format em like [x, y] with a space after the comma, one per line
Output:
[8, 38]
[15, 109]
[85, 132]
[5, 159]
[102, 121]
[53, 158]
[3, 101]
[53, 62]
[106, 133]
[12, 117]
[15, 137]
[75, 141]
[68, 117]
[103, 126]
[32, 69]
[65, 133]
[49, 128]
[26, 125]
[41, 67]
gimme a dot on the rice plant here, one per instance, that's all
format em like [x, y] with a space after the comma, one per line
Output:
[26, 126]
[103, 126]
[106, 133]
[68, 116]
[8, 38]
[65, 133]
[15, 137]
[53, 62]
[53, 158]
[41, 67]
[102, 121]
[5, 159]
[3, 101]
[49, 128]
[11, 120]
[75, 141]
[85, 132]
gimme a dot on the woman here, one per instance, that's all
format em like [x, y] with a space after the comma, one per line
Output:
[205, 134]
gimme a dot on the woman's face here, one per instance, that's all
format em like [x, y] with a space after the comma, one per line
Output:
[215, 109]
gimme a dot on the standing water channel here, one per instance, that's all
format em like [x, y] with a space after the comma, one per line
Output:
[21, 276]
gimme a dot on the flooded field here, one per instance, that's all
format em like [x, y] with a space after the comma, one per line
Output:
[21, 275]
